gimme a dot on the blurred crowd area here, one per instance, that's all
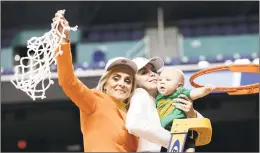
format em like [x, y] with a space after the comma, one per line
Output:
[186, 38]
[188, 34]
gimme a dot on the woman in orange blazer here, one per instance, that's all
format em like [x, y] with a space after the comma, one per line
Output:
[102, 110]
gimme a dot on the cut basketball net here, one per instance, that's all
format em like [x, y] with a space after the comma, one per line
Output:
[31, 78]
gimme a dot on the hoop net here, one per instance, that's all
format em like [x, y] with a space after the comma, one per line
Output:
[34, 78]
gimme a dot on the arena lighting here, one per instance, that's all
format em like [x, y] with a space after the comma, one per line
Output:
[167, 60]
[254, 55]
[79, 69]
[202, 58]
[203, 64]
[101, 63]
[242, 61]
[236, 56]
[22, 144]
[185, 59]
[256, 61]
[85, 64]
[196, 43]
[17, 57]
[228, 62]
[219, 57]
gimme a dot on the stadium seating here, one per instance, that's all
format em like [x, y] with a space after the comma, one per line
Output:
[215, 40]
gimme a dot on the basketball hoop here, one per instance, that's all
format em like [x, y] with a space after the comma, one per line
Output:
[241, 90]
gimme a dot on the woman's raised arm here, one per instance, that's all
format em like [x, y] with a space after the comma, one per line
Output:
[81, 95]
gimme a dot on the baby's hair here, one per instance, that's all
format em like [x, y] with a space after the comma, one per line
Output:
[177, 70]
[173, 68]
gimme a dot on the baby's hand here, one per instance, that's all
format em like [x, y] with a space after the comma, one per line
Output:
[210, 87]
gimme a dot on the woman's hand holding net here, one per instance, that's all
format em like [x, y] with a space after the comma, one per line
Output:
[34, 77]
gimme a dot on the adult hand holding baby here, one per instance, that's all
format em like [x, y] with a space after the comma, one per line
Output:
[185, 104]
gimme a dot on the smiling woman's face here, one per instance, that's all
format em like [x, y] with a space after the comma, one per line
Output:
[147, 78]
[120, 83]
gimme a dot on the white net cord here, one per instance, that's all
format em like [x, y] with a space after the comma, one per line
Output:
[35, 77]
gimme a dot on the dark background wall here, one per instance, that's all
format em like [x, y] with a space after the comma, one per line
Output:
[10, 94]
[54, 125]
[83, 13]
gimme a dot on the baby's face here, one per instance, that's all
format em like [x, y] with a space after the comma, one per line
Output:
[169, 81]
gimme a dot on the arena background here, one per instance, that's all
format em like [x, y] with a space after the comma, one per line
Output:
[189, 35]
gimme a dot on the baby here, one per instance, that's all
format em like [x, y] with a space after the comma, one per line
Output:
[170, 86]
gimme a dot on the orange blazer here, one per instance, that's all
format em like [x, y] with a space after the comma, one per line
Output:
[102, 122]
